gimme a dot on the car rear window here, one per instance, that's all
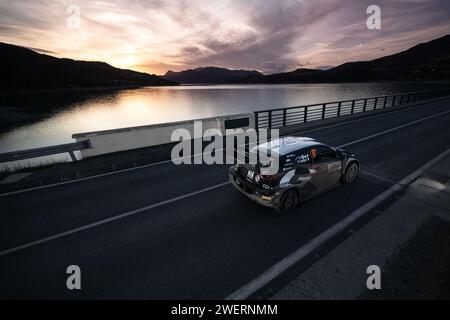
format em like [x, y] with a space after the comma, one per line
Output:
[291, 160]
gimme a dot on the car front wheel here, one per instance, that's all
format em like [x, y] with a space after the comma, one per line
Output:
[351, 173]
[289, 202]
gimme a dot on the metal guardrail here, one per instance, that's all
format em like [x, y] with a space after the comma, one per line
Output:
[282, 117]
[269, 119]
[46, 151]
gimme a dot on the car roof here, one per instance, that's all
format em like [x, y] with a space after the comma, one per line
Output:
[288, 144]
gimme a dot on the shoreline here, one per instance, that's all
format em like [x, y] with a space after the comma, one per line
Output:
[131, 87]
[77, 89]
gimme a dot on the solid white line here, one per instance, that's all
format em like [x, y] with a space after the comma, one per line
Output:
[95, 176]
[104, 221]
[393, 129]
[127, 214]
[277, 269]
[376, 176]
[170, 200]
[369, 116]
[84, 178]
[170, 161]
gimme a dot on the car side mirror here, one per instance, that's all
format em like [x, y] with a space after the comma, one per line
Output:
[301, 171]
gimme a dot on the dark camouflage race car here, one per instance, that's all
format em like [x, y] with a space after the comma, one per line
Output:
[306, 168]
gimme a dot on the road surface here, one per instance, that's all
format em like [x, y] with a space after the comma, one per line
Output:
[183, 232]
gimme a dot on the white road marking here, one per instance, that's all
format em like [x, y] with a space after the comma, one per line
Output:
[277, 269]
[173, 199]
[170, 161]
[83, 179]
[104, 221]
[377, 176]
[381, 114]
[393, 129]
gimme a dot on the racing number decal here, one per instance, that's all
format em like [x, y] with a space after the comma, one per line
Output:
[313, 153]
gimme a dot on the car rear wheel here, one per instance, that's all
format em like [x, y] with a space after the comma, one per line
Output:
[289, 202]
[351, 173]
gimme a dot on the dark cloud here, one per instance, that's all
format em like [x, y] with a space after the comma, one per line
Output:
[270, 36]
[278, 26]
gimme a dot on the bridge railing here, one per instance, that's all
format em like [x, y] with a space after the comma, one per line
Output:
[46, 151]
[282, 117]
[270, 119]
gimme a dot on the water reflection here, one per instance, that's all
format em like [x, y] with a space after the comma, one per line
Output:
[69, 113]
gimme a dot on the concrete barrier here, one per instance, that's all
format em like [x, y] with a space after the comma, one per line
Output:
[116, 140]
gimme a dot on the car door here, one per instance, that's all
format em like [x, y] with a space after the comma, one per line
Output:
[325, 166]
[304, 175]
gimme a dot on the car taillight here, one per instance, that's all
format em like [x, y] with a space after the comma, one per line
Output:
[270, 178]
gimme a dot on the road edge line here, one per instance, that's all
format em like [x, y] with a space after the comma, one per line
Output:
[169, 161]
[276, 270]
[107, 220]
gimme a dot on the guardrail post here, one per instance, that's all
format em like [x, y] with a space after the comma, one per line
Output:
[305, 116]
[365, 105]
[256, 121]
[270, 120]
[401, 99]
[393, 101]
[72, 156]
[384, 103]
[353, 107]
[284, 117]
[375, 104]
[339, 109]
[323, 111]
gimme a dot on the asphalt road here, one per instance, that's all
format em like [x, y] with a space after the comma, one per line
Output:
[205, 245]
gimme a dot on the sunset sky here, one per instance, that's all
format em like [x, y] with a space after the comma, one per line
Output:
[270, 36]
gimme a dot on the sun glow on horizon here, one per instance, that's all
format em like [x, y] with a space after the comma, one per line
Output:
[156, 36]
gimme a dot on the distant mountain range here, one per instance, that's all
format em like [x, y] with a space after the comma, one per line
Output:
[210, 75]
[22, 68]
[426, 61]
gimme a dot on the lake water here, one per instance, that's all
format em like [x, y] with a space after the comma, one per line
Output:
[69, 113]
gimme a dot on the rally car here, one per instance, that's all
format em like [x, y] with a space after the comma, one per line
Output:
[306, 168]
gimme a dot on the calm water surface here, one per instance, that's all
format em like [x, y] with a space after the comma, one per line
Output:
[69, 113]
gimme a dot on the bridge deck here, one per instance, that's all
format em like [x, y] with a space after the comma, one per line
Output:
[186, 233]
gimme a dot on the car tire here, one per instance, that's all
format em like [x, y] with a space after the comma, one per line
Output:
[289, 202]
[351, 173]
